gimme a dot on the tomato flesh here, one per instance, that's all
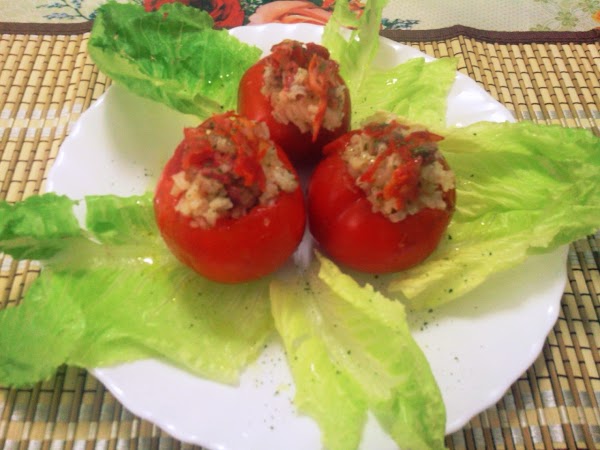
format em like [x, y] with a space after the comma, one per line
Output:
[342, 221]
[302, 147]
[234, 249]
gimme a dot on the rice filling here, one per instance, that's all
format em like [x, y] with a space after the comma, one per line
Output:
[303, 88]
[400, 170]
[232, 168]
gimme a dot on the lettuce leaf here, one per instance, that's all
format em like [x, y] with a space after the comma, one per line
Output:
[321, 387]
[37, 336]
[350, 351]
[37, 228]
[522, 189]
[355, 52]
[173, 56]
[115, 293]
[415, 89]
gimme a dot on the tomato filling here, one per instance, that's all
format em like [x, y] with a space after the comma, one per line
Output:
[398, 166]
[229, 165]
[304, 87]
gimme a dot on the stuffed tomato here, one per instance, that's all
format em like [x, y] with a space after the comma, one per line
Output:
[298, 92]
[382, 198]
[228, 203]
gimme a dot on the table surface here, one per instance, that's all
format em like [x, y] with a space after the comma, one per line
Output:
[47, 80]
[504, 15]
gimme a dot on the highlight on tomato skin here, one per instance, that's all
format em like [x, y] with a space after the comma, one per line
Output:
[298, 92]
[382, 198]
[228, 203]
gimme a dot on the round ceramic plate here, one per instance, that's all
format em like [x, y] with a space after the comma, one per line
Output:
[477, 346]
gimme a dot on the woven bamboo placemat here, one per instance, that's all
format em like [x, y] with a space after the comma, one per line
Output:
[47, 80]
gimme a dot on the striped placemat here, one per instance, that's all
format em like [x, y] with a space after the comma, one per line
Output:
[47, 80]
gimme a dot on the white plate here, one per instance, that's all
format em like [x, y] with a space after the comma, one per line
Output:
[477, 346]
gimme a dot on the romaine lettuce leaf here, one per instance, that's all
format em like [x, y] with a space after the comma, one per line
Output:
[37, 227]
[173, 56]
[522, 189]
[354, 49]
[323, 391]
[415, 89]
[115, 293]
[37, 336]
[350, 350]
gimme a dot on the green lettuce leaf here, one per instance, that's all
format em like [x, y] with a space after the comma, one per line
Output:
[173, 56]
[37, 228]
[354, 49]
[37, 336]
[115, 293]
[325, 393]
[415, 89]
[350, 351]
[522, 189]
[118, 220]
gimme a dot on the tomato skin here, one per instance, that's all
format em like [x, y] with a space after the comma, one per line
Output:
[234, 250]
[342, 221]
[299, 147]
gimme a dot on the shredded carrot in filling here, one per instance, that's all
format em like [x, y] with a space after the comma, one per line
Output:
[399, 167]
[301, 82]
[229, 165]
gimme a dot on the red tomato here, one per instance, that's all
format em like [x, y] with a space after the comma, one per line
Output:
[342, 221]
[234, 249]
[302, 147]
